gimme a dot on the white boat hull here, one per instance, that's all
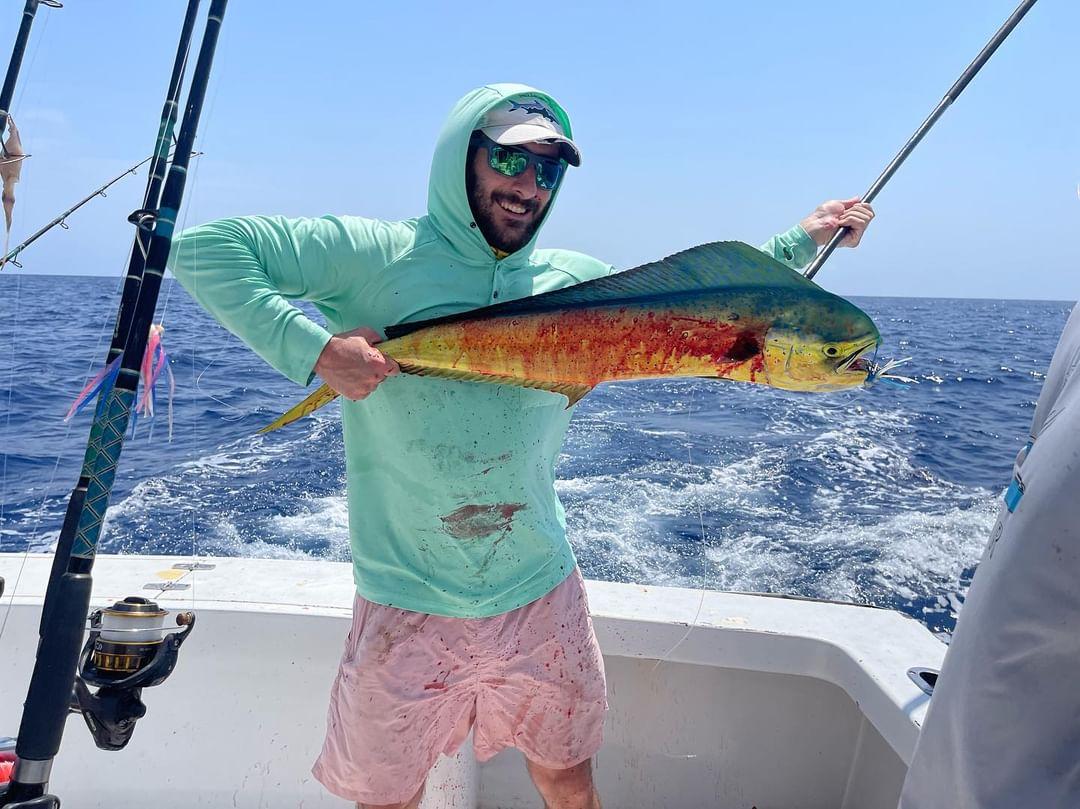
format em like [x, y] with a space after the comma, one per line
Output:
[767, 703]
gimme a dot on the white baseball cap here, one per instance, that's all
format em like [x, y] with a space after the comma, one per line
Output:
[528, 120]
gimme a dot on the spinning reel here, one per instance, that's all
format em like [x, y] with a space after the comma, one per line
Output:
[125, 653]
[129, 648]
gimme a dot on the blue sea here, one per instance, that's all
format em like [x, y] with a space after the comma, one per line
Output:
[880, 496]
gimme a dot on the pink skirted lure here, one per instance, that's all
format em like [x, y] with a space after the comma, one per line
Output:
[155, 363]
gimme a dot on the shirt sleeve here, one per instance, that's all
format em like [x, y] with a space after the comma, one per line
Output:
[794, 248]
[245, 272]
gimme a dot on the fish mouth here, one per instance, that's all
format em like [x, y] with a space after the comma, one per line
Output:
[858, 360]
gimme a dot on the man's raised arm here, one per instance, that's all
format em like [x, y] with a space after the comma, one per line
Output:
[797, 247]
[245, 272]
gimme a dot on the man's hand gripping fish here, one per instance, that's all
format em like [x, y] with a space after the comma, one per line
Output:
[722, 310]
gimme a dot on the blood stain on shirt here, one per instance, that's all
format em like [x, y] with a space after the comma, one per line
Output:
[476, 521]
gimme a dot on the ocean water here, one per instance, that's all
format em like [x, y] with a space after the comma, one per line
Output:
[880, 496]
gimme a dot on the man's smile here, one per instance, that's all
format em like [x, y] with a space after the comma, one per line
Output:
[512, 207]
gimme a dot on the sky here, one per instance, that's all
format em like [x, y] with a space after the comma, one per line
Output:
[698, 121]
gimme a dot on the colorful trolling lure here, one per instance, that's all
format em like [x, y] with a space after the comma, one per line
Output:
[104, 379]
[883, 373]
[155, 362]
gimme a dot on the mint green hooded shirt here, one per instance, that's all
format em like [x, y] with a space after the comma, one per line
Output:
[452, 504]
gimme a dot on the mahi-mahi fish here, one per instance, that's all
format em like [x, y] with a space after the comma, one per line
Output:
[723, 310]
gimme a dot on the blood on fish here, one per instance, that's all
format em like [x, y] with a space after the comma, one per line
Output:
[745, 347]
[588, 346]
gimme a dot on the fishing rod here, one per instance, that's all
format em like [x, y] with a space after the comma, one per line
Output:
[130, 293]
[29, 10]
[909, 147]
[48, 699]
[61, 220]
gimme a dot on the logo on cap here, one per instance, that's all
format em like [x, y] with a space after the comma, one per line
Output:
[533, 107]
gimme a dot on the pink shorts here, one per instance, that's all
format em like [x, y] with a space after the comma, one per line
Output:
[411, 685]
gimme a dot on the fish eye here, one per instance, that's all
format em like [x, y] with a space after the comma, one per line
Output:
[831, 350]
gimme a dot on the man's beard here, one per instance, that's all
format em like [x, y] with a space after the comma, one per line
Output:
[483, 211]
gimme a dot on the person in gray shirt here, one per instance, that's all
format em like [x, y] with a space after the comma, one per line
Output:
[1003, 726]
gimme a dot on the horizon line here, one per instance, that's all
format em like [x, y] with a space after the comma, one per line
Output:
[169, 276]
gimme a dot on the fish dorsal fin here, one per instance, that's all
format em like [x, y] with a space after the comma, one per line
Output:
[708, 266]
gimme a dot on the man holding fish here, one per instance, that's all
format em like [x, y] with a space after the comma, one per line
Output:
[470, 611]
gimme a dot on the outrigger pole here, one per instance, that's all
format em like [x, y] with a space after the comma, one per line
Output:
[909, 147]
[50, 693]
[29, 10]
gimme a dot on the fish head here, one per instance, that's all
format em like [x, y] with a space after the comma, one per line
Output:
[819, 346]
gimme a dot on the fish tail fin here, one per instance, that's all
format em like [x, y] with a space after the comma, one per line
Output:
[323, 396]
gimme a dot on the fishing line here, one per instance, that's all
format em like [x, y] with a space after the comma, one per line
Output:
[198, 387]
[704, 543]
[3, 479]
[193, 175]
[194, 437]
[40, 511]
[197, 380]
[193, 203]
[33, 58]
[194, 178]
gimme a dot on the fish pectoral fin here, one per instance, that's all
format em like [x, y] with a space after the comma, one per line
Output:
[323, 396]
[574, 393]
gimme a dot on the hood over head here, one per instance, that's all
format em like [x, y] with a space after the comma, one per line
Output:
[448, 203]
